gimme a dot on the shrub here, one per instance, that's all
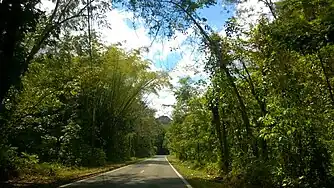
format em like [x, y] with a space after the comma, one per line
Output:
[93, 157]
[47, 169]
[8, 163]
[212, 168]
[255, 174]
[12, 165]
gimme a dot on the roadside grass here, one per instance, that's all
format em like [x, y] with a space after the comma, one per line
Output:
[54, 175]
[197, 178]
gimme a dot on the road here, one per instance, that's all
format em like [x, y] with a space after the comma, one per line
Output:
[152, 173]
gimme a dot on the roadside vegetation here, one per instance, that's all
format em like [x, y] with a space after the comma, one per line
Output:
[196, 176]
[55, 174]
[74, 106]
[266, 118]
[75, 112]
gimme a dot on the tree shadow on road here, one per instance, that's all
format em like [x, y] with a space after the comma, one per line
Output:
[128, 181]
[60, 182]
[154, 162]
[116, 181]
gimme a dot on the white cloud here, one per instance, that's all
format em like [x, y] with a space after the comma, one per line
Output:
[133, 38]
[192, 61]
[160, 50]
[249, 11]
[191, 64]
[162, 102]
[46, 5]
[137, 37]
[120, 32]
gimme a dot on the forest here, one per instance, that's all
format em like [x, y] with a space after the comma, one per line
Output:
[265, 117]
[67, 99]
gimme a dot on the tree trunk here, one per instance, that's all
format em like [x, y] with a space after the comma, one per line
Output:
[329, 86]
[9, 66]
[216, 50]
[225, 144]
[263, 109]
[242, 106]
[223, 147]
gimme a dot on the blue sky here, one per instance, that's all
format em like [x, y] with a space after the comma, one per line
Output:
[216, 15]
[184, 61]
[176, 62]
[187, 59]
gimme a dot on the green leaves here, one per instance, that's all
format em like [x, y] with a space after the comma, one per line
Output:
[80, 111]
[165, 17]
[282, 70]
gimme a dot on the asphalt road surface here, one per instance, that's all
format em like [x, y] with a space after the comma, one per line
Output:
[152, 173]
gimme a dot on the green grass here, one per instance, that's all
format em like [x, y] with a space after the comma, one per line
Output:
[53, 175]
[197, 178]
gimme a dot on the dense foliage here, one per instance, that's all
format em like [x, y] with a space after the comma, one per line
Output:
[79, 111]
[266, 120]
[66, 98]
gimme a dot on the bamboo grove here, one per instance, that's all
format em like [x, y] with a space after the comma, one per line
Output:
[81, 111]
[66, 98]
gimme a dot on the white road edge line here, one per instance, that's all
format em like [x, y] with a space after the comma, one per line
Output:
[101, 174]
[180, 176]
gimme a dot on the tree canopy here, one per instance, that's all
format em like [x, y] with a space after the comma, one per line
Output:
[270, 102]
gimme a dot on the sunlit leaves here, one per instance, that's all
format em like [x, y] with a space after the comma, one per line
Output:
[283, 70]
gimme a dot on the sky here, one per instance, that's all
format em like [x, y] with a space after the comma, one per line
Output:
[185, 61]
[178, 63]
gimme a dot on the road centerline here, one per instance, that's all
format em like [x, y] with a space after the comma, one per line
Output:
[155, 171]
